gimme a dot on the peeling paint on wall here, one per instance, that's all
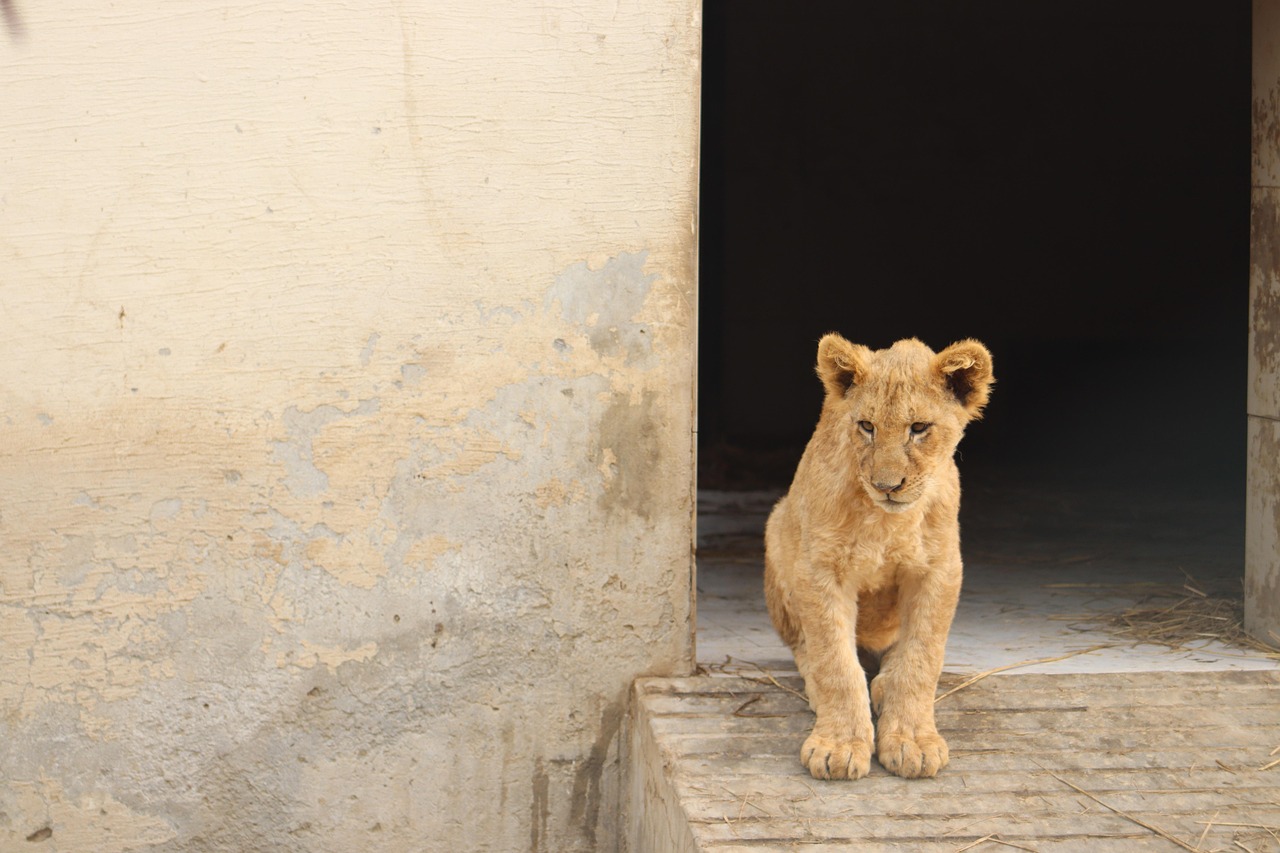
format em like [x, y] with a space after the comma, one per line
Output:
[605, 304]
[297, 453]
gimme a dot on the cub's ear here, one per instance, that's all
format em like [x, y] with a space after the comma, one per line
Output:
[841, 365]
[965, 367]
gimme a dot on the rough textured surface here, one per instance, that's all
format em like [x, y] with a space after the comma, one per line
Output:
[1262, 532]
[1181, 752]
[1264, 304]
[346, 474]
[1266, 93]
[1262, 579]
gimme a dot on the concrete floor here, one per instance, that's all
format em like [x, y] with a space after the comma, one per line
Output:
[1041, 559]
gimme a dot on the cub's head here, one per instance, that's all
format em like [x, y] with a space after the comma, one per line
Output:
[901, 411]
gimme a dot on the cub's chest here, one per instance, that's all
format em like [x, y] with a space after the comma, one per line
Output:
[867, 555]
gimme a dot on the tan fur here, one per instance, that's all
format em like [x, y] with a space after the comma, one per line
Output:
[864, 550]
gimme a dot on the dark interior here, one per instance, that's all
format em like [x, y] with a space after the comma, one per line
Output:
[1066, 182]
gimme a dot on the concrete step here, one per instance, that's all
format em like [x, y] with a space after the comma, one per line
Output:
[1082, 761]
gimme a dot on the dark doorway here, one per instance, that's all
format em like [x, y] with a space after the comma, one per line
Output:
[1067, 182]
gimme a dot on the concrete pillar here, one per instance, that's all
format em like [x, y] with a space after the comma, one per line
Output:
[1262, 548]
[346, 418]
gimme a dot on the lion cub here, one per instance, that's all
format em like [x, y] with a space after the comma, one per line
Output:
[864, 550]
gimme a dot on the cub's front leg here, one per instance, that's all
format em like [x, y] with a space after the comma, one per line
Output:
[839, 747]
[907, 739]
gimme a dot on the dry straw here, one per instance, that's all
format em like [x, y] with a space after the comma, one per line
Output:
[1185, 619]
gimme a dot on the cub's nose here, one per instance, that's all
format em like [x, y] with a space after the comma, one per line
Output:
[890, 488]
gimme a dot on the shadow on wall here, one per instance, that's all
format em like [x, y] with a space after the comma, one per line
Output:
[12, 20]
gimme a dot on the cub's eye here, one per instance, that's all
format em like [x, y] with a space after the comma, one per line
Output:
[919, 428]
[867, 427]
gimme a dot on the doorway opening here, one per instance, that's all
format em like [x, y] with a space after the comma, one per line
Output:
[1068, 183]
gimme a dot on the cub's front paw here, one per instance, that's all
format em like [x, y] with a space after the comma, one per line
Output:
[912, 757]
[836, 758]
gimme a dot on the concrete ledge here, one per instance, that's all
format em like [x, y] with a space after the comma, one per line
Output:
[1048, 762]
[656, 820]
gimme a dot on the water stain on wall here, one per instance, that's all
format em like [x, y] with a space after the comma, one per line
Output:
[630, 449]
[540, 808]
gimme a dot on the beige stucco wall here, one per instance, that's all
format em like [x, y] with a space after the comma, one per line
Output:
[1262, 538]
[346, 402]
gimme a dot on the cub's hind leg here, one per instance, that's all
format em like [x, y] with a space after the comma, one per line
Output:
[776, 598]
[780, 574]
